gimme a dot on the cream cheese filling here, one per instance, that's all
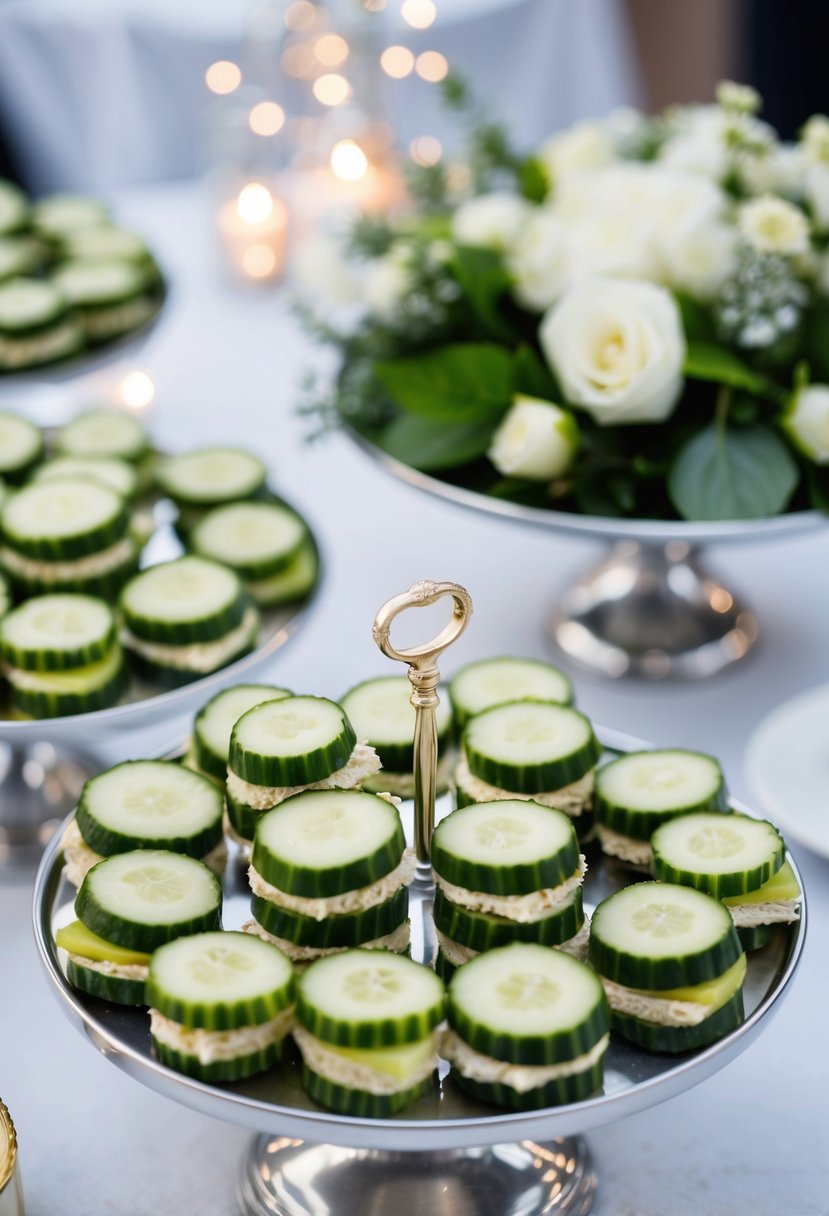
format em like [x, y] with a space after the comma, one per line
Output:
[79, 858]
[402, 784]
[17, 352]
[778, 912]
[634, 852]
[349, 901]
[657, 1010]
[458, 954]
[105, 322]
[362, 762]
[83, 567]
[520, 1077]
[341, 1071]
[396, 941]
[210, 1046]
[196, 656]
[124, 971]
[572, 799]
[524, 909]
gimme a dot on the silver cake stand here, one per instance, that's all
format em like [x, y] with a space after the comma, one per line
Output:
[649, 608]
[447, 1155]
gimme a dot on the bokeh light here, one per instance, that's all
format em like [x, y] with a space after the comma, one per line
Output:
[419, 13]
[300, 15]
[136, 390]
[348, 161]
[259, 261]
[266, 118]
[432, 66]
[331, 50]
[331, 89]
[425, 150]
[254, 203]
[397, 61]
[223, 77]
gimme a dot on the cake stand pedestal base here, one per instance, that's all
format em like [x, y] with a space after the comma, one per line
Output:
[652, 610]
[284, 1177]
[39, 786]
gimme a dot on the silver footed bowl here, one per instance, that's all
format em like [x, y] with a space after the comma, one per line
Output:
[648, 609]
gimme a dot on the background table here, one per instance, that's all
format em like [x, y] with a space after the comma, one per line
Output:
[752, 1139]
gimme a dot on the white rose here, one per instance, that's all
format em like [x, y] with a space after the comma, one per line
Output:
[583, 146]
[781, 170]
[321, 267]
[807, 422]
[537, 260]
[612, 243]
[701, 152]
[700, 261]
[536, 440]
[773, 225]
[817, 195]
[617, 348]
[387, 280]
[490, 221]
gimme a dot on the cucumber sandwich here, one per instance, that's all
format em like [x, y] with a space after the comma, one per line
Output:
[207, 478]
[738, 860]
[110, 298]
[114, 472]
[60, 655]
[145, 804]
[382, 713]
[214, 724]
[489, 682]
[330, 870]
[506, 871]
[528, 1028]
[106, 433]
[671, 964]
[221, 1005]
[186, 618]
[21, 447]
[641, 790]
[367, 1030]
[266, 543]
[67, 534]
[59, 214]
[19, 256]
[14, 208]
[530, 749]
[37, 324]
[284, 747]
[127, 906]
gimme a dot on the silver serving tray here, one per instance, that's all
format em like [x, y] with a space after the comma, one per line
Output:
[276, 1103]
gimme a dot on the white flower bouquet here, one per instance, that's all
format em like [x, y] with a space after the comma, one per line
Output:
[632, 321]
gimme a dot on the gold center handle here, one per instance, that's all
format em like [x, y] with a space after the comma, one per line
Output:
[424, 676]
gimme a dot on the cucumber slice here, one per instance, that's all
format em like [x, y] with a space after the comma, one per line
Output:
[754, 937]
[675, 1039]
[525, 1004]
[82, 690]
[324, 842]
[505, 848]
[220, 981]
[19, 255]
[185, 600]
[656, 935]
[360, 1103]
[14, 207]
[295, 741]
[381, 712]
[103, 432]
[61, 213]
[150, 804]
[5, 593]
[528, 747]
[77, 939]
[780, 887]
[101, 574]
[211, 476]
[484, 931]
[719, 854]
[215, 721]
[242, 817]
[98, 284]
[256, 539]
[57, 633]
[639, 791]
[335, 932]
[489, 682]
[63, 519]
[295, 582]
[114, 989]
[29, 306]
[146, 898]
[369, 998]
[557, 1092]
[21, 446]
[444, 967]
[99, 242]
[118, 474]
[194, 662]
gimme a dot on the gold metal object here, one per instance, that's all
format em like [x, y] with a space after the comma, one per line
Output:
[11, 1192]
[424, 676]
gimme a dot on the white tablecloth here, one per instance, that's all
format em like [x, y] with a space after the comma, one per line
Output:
[750, 1140]
[95, 94]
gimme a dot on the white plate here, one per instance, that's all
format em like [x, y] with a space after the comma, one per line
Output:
[787, 767]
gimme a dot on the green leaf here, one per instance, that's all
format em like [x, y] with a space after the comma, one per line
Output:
[696, 319]
[531, 375]
[705, 361]
[728, 473]
[818, 483]
[427, 444]
[483, 280]
[533, 180]
[816, 341]
[469, 382]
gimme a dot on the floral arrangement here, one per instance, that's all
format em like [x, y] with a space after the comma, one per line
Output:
[631, 321]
